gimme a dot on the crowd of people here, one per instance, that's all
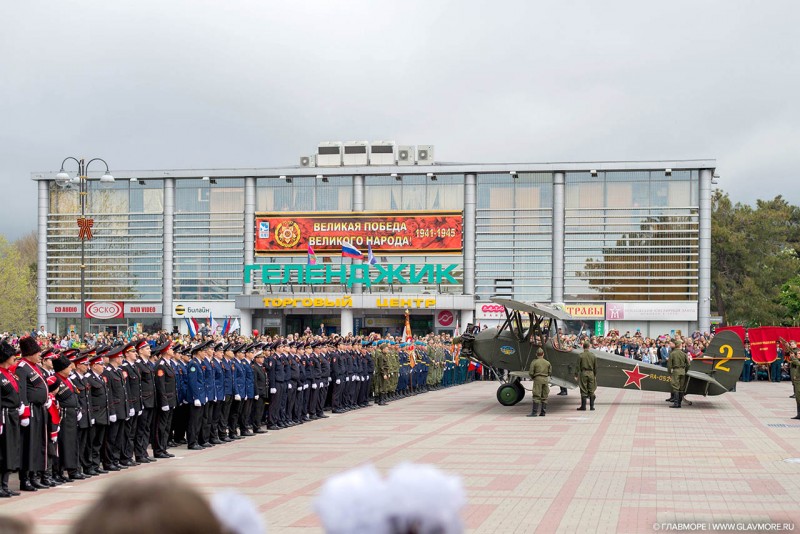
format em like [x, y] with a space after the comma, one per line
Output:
[78, 412]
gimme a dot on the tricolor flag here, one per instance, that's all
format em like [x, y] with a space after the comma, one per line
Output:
[349, 251]
[371, 259]
[226, 326]
[312, 258]
[191, 324]
[212, 324]
[456, 353]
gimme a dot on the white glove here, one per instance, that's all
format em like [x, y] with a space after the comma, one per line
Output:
[48, 403]
[347, 379]
[140, 412]
[329, 380]
[197, 402]
[237, 397]
[54, 440]
[131, 412]
[25, 422]
[305, 387]
[256, 397]
[163, 409]
[322, 384]
[314, 385]
[290, 386]
[21, 409]
[273, 390]
[80, 416]
[338, 380]
[92, 421]
[112, 418]
[355, 377]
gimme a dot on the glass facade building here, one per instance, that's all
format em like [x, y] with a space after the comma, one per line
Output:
[630, 237]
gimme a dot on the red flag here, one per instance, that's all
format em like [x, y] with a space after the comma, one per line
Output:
[738, 330]
[763, 342]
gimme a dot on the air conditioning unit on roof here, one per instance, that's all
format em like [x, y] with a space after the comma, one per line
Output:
[425, 154]
[381, 153]
[406, 155]
[329, 154]
[355, 153]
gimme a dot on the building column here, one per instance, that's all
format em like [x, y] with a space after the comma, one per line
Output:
[704, 282]
[358, 205]
[347, 321]
[246, 315]
[557, 276]
[470, 210]
[41, 253]
[169, 254]
[467, 317]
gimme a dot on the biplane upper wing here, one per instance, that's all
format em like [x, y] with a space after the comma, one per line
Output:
[536, 308]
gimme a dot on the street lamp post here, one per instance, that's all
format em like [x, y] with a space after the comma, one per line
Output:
[84, 224]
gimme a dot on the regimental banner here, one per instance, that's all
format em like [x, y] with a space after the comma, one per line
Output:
[395, 232]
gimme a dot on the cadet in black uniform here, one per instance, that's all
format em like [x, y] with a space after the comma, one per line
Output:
[96, 383]
[147, 384]
[261, 386]
[10, 439]
[133, 388]
[33, 420]
[166, 399]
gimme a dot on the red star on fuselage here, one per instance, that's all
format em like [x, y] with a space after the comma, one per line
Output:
[634, 377]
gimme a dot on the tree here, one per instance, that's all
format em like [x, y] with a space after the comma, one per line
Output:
[754, 252]
[17, 292]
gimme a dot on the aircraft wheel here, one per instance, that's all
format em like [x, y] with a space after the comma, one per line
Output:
[508, 395]
[520, 391]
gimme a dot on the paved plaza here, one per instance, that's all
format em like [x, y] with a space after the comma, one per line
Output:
[632, 463]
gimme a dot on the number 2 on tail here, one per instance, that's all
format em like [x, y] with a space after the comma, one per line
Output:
[727, 351]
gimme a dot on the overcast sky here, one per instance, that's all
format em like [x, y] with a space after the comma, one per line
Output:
[151, 84]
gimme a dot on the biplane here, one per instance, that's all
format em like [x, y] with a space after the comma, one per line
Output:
[528, 326]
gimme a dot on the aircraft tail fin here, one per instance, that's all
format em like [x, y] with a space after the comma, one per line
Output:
[723, 359]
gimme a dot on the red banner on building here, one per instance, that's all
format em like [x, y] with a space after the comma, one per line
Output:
[397, 232]
[763, 342]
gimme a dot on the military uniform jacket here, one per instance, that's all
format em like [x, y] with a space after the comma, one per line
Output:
[227, 373]
[259, 379]
[117, 394]
[133, 385]
[269, 367]
[147, 383]
[540, 368]
[84, 402]
[208, 379]
[98, 391]
[678, 361]
[32, 387]
[10, 439]
[794, 367]
[238, 379]
[219, 379]
[587, 362]
[324, 368]
[249, 388]
[195, 378]
[166, 387]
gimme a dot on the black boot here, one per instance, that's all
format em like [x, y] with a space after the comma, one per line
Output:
[534, 410]
[544, 410]
[583, 405]
[678, 399]
[798, 413]
[671, 397]
[591, 403]
[4, 491]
